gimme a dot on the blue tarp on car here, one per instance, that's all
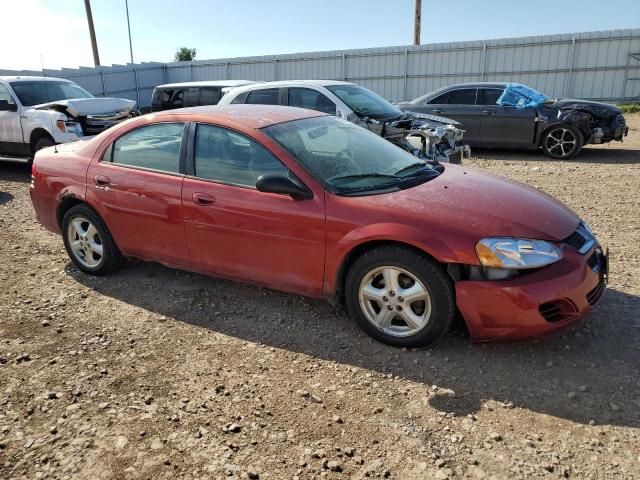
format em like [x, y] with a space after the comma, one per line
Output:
[520, 96]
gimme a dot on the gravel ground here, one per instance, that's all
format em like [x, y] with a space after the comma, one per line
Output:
[156, 373]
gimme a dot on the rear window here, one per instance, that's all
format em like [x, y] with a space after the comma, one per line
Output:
[268, 96]
[465, 96]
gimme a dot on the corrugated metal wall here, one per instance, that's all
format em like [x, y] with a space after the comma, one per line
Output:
[594, 65]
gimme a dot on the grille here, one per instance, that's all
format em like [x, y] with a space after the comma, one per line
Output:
[93, 125]
[558, 310]
[581, 240]
[596, 294]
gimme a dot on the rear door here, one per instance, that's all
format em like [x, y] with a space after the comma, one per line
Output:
[504, 126]
[136, 188]
[460, 105]
[236, 231]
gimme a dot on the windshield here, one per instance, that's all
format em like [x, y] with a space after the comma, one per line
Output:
[37, 92]
[348, 159]
[364, 102]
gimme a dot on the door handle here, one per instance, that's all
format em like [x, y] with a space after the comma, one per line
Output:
[489, 112]
[102, 181]
[203, 199]
[438, 112]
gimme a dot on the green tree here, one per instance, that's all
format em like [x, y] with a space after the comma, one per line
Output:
[184, 54]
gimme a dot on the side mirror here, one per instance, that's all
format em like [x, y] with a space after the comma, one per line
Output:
[5, 106]
[283, 185]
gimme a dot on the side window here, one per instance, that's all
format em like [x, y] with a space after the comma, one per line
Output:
[209, 96]
[267, 96]
[193, 97]
[6, 95]
[440, 99]
[155, 146]
[229, 157]
[465, 96]
[489, 96]
[311, 99]
[171, 99]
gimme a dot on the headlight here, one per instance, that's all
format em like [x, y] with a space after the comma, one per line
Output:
[74, 128]
[69, 126]
[516, 253]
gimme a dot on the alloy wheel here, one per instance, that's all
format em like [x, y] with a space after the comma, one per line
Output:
[395, 301]
[85, 242]
[561, 142]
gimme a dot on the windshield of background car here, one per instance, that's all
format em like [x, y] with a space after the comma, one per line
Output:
[348, 159]
[364, 102]
[35, 93]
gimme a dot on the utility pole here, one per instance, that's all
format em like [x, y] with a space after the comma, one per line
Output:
[92, 33]
[126, 5]
[416, 23]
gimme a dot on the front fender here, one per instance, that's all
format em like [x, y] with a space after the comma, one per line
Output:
[388, 232]
[581, 120]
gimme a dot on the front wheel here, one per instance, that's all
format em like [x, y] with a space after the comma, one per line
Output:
[399, 297]
[88, 241]
[562, 142]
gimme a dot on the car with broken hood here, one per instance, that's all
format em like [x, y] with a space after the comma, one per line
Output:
[429, 137]
[38, 112]
[512, 115]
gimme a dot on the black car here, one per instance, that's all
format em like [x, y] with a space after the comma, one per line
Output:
[513, 115]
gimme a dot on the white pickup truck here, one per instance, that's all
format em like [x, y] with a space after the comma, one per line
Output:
[37, 112]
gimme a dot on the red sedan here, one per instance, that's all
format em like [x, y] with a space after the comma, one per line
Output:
[304, 202]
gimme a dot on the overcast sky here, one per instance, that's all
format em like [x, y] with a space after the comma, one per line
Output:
[54, 32]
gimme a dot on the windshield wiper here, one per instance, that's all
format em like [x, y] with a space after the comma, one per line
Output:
[411, 166]
[355, 176]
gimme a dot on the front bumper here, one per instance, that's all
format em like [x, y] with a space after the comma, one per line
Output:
[513, 309]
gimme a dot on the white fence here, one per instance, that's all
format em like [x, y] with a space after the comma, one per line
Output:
[593, 65]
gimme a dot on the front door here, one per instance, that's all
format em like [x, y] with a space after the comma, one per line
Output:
[136, 186]
[504, 126]
[11, 142]
[236, 231]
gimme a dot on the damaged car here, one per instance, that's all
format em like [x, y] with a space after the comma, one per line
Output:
[38, 112]
[512, 115]
[429, 137]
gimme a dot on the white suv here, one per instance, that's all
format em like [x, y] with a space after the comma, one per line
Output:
[426, 136]
[37, 112]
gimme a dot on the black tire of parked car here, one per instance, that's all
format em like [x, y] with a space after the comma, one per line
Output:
[551, 138]
[111, 260]
[438, 284]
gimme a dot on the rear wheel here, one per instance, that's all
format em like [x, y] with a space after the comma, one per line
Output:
[562, 142]
[88, 241]
[399, 296]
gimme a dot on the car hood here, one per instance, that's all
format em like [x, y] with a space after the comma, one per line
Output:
[589, 106]
[89, 106]
[469, 201]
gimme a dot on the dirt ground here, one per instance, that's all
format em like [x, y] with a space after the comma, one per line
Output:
[155, 373]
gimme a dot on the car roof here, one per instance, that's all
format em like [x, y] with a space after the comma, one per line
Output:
[208, 83]
[249, 116]
[287, 83]
[28, 78]
[476, 85]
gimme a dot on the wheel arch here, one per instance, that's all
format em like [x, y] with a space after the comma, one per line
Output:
[358, 250]
[36, 135]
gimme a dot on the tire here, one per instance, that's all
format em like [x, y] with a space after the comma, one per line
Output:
[92, 250]
[562, 142]
[43, 142]
[405, 323]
